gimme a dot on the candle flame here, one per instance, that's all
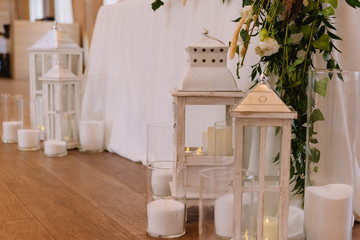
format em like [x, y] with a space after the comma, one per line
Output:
[246, 235]
[198, 151]
[187, 149]
[42, 128]
[266, 220]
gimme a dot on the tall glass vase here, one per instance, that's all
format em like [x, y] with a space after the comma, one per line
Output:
[331, 153]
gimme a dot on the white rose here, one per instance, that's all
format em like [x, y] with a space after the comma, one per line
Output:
[267, 47]
[247, 13]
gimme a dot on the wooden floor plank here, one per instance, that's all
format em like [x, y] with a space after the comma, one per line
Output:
[10, 206]
[4, 234]
[29, 229]
[63, 212]
[113, 198]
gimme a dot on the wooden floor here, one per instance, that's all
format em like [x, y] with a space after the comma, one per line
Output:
[80, 196]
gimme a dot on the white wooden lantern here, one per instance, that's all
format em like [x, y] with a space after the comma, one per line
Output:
[55, 46]
[207, 70]
[262, 109]
[61, 92]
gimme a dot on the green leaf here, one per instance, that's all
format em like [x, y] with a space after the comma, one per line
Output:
[316, 168]
[298, 61]
[244, 36]
[321, 86]
[353, 3]
[328, 11]
[333, 3]
[314, 155]
[323, 43]
[313, 140]
[305, 29]
[317, 115]
[156, 4]
[333, 36]
[263, 34]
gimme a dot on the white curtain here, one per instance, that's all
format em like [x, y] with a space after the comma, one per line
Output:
[63, 11]
[36, 9]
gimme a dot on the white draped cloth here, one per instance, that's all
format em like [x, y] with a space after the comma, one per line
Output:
[137, 55]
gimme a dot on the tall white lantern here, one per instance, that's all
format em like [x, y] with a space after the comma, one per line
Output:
[61, 93]
[55, 46]
[262, 145]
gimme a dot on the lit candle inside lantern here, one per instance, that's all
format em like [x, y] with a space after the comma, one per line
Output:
[9, 130]
[53, 148]
[91, 135]
[271, 228]
[28, 139]
[165, 217]
[160, 182]
[328, 212]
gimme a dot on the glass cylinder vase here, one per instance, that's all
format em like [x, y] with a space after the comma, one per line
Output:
[333, 98]
[216, 205]
[166, 209]
[12, 117]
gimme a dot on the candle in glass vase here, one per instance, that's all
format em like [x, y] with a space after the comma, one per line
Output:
[328, 212]
[160, 182]
[9, 131]
[28, 139]
[223, 214]
[165, 217]
[54, 148]
[91, 135]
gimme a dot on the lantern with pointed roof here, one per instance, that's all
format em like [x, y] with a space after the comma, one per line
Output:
[262, 145]
[61, 97]
[207, 70]
[55, 46]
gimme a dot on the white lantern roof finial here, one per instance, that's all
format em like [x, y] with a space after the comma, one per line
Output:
[55, 38]
[208, 41]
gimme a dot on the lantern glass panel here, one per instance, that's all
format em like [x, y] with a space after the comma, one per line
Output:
[64, 93]
[72, 97]
[38, 71]
[272, 156]
[271, 220]
[48, 63]
[64, 60]
[75, 64]
[199, 127]
[251, 151]
[39, 114]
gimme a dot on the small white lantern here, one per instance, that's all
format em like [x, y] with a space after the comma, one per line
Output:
[261, 119]
[61, 92]
[207, 70]
[55, 46]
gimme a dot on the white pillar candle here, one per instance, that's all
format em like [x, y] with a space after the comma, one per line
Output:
[271, 228]
[28, 139]
[205, 141]
[9, 130]
[160, 180]
[223, 214]
[328, 212]
[223, 141]
[91, 135]
[165, 217]
[55, 148]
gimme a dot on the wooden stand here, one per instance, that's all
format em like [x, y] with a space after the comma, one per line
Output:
[195, 163]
